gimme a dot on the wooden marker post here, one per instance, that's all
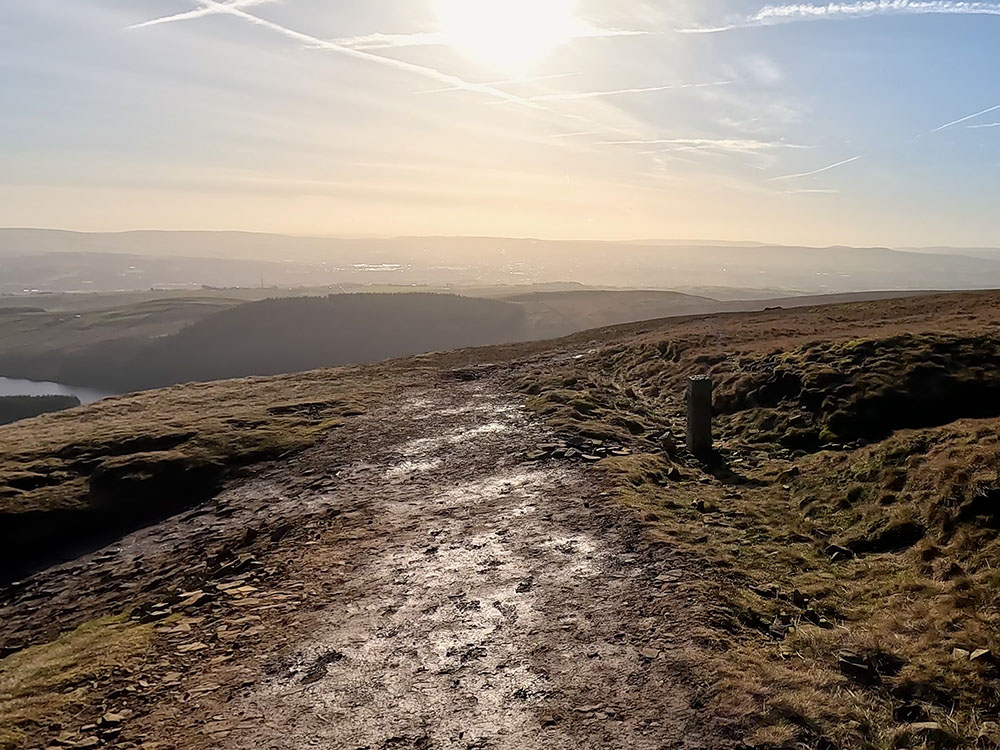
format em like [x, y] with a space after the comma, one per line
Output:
[699, 427]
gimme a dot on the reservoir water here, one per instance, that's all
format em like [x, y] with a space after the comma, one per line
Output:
[15, 387]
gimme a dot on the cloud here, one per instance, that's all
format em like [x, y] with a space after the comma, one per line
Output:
[938, 129]
[391, 41]
[235, 9]
[720, 144]
[960, 120]
[617, 92]
[984, 125]
[812, 191]
[595, 32]
[508, 82]
[771, 15]
[448, 81]
[199, 13]
[380, 40]
[817, 171]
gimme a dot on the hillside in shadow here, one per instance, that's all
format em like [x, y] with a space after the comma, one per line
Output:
[137, 342]
[294, 335]
[14, 408]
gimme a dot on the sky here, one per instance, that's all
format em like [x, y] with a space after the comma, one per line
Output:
[860, 123]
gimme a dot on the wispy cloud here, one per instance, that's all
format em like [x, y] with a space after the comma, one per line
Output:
[938, 129]
[199, 13]
[771, 15]
[960, 120]
[379, 40]
[235, 9]
[569, 96]
[721, 144]
[508, 82]
[446, 81]
[813, 191]
[817, 171]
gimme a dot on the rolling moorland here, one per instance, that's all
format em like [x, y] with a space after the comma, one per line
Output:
[826, 580]
[134, 341]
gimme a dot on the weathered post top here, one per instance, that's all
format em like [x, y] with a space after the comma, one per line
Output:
[699, 427]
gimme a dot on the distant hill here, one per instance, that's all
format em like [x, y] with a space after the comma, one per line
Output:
[16, 408]
[988, 253]
[294, 335]
[275, 336]
[552, 314]
[49, 260]
[156, 342]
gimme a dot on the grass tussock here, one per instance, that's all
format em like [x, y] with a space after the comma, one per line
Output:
[860, 390]
[48, 686]
[128, 460]
[42, 460]
[860, 596]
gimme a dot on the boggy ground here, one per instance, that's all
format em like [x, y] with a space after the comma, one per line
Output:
[409, 582]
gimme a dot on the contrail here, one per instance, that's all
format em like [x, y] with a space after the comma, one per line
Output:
[726, 144]
[817, 171]
[938, 129]
[617, 92]
[984, 125]
[379, 40]
[312, 41]
[771, 15]
[962, 119]
[508, 82]
[199, 13]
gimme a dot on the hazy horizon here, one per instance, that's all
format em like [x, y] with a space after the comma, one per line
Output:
[801, 124]
[667, 241]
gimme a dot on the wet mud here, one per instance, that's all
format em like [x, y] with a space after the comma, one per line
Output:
[419, 585]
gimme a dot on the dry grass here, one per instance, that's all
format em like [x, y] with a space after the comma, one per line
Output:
[48, 686]
[915, 590]
[916, 510]
[229, 422]
[89, 474]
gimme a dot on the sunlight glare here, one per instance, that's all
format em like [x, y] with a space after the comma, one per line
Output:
[507, 34]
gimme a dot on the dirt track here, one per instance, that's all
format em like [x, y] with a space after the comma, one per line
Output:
[422, 586]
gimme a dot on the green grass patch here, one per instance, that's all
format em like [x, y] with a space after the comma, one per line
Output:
[49, 685]
[121, 462]
[849, 589]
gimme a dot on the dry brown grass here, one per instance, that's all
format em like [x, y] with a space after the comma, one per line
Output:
[47, 686]
[919, 512]
[88, 474]
[782, 608]
[226, 422]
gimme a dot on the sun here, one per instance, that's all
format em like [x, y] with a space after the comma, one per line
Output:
[507, 34]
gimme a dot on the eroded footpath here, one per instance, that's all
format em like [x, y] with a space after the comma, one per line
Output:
[411, 582]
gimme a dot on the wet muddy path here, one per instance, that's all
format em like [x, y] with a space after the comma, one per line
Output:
[410, 582]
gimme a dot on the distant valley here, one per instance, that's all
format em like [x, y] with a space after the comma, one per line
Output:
[121, 343]
[33, 260]
[128, 311]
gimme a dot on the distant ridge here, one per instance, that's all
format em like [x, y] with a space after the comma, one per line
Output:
[57, 260]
